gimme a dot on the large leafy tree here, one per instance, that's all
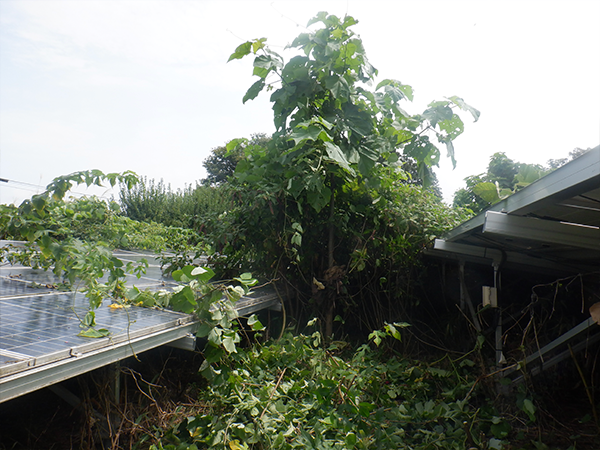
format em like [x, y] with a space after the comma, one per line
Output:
[504, 177]
[315, 186]
[221, 163]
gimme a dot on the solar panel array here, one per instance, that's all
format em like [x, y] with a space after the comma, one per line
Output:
[39, 323]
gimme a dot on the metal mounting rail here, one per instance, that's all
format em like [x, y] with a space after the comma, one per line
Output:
[535, 363]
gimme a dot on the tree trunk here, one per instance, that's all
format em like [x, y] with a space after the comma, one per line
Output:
[331, 293]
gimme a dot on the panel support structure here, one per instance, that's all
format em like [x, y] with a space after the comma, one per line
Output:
[541, 230]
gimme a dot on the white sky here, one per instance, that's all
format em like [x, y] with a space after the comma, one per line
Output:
[144, 85]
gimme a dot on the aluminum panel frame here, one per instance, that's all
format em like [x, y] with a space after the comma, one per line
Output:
[22, 383]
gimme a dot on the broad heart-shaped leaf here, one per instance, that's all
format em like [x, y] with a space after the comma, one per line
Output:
[93, 333]
[255, 323]
[254, 90]
[529, 408]
[393, 331]
[263, 64]
[184, 300]
[320, 17]
[453, 126]
[38, 202]
[203, 330]
[405, 89]
[234, 143]
[188, 273]
[335, 154]
[310, 133]
[257, 44]
[295, 186]
[301, 134]
[241, 51]
[462, 105]
[423, 151]
[437, 112]
[229, 344]
[528, 173]
[487, 191]
[318, 199]
[338, 86]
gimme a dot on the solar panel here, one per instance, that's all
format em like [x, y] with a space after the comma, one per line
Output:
[42, 327]
[39, 325]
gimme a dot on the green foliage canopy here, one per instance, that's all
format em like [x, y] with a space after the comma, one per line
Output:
[221, 163]
[503, 178]
[328, 120]
[326, 199]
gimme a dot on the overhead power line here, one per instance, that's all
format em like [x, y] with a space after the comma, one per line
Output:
[39, 188]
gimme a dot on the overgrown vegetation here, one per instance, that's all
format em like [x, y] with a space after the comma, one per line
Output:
[190, 208]
[335, 209]
[324, 205]
[503, 178]
[75, 239]
[295, 393]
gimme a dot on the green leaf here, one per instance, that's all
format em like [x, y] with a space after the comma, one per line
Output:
[89, 320]
[93, 333]
[320, 17]
[258, 44]
[529, 408]
[38, 202]
[450, 149]
[423, 151]
[234, 144]
[528, 173]
[365, 408]
[453, 126]
[437, 112]
[229, 344]
[335, 154]
[495, 444]
[254, 323]
[309, 133]
[246, 279]
[296, 239]
[241, 51]
[462, 105]
[407, 91]
[318, 199]
[264, 64]
[203, 330]
[487, 191]
[184, 300]
[254, 90]
[393, 331]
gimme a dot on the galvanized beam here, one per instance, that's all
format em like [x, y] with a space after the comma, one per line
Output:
[539, 230]
[472, 253]
[539, 368]
[562, 339]
[486, 256]
[576, 177]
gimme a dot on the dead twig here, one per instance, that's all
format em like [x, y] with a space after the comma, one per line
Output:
[272, 393]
